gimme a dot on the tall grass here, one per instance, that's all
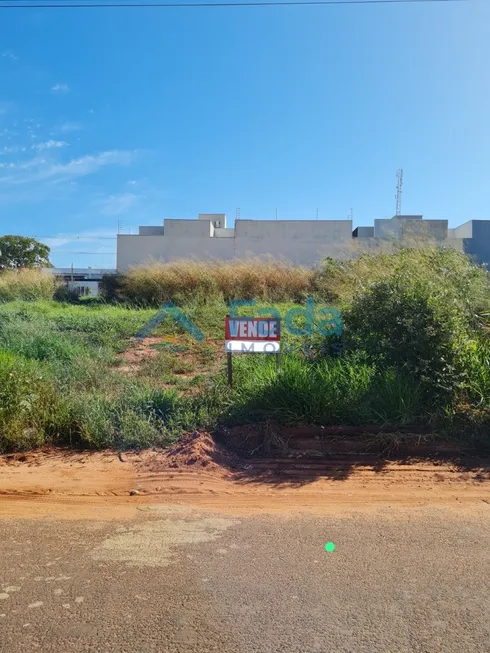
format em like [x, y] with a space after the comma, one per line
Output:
[345, 390]
[28, 285]
[414, 320]
[181, 281]
[29, 405]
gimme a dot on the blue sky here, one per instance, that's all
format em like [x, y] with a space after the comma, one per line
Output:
[135, 115]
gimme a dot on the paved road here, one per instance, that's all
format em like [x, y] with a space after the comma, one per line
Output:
[178, 580]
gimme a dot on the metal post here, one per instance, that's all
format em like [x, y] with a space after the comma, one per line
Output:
[278, 361]
[230, 368]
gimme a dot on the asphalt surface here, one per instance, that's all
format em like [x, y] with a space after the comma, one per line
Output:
[178, 580]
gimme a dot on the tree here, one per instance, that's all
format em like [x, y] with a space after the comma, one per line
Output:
[22, 252]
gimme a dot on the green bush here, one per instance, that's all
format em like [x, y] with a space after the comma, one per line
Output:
[402, 323]
[469, 284]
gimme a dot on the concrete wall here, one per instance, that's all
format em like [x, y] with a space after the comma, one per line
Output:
[151, 231]
[224, 233]
[363, 232]
[430, 229]
[463, 231]
[214, 218]
[201, 229]
[303, 242]
[386, 228]
[479, 245]
[135, 250]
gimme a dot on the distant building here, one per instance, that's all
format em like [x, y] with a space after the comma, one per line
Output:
[83, 281]
[304, 242]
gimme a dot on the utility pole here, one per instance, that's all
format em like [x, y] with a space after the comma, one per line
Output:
[276, 214]
[398, 196]
[237, 214]
[317, 214]
[119, 226]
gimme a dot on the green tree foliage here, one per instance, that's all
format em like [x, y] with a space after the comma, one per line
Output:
[22, 252]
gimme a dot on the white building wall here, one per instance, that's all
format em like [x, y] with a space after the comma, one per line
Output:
[463, 231]
[135, 250]
[304, 242]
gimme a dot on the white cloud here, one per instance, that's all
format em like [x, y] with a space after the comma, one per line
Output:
[60, 89]
[67, 127]
[117, 204]
[89, 163]
[8, 54]
[48, 145]
[40, 169]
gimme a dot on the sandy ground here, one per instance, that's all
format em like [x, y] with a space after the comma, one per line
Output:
[66, 484]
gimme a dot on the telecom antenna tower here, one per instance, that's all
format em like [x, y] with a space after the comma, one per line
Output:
[398, 196]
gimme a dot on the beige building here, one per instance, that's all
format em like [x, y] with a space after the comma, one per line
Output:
[303, 242]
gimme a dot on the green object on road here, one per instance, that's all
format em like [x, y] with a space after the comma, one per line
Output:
[329, 546]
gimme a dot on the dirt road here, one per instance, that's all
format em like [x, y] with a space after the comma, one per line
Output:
[203, 559]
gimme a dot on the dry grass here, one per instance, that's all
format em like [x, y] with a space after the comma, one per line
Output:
[366, 263]
[26, 285]
[156, 282]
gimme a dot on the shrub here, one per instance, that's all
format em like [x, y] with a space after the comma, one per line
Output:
[402, 323]
[436, 266]
[111, 287]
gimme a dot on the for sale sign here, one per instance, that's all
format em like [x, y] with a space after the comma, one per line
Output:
[249, 335]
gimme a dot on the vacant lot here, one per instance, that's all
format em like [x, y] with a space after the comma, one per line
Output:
[413, 352]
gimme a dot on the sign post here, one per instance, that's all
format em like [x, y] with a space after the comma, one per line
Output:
[251, 335]
[230, 368]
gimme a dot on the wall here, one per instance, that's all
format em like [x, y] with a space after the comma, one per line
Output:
[84, 288]
[463, 231]
[479, 245]
[151, 231]
[430, 229]
[214, 217]
[385, 228]
[303, 242]
[363, 232]
[136, 250]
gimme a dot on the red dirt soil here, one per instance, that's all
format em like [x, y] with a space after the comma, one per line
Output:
[200, 474]
[196, 449]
